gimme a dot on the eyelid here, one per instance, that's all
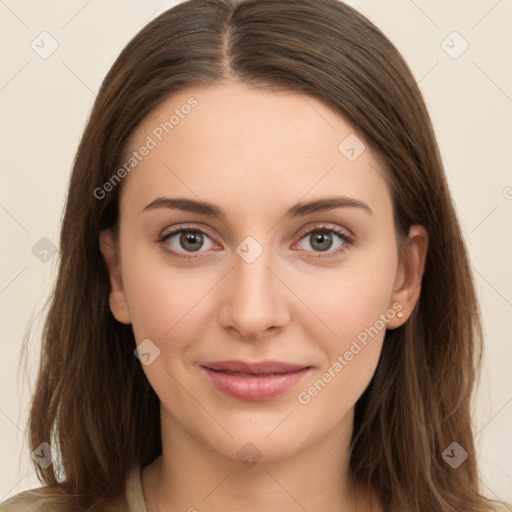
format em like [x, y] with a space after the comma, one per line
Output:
[325, 226]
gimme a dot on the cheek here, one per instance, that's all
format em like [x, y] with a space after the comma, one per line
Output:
[165, 301]
[351, 298]
[158, 303]
[353, 304]
[356, 315]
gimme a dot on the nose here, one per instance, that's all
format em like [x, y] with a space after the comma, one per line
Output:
[255, 298]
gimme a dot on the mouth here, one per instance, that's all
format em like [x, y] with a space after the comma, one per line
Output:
[255, 382]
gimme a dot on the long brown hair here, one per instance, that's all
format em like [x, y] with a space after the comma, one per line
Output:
[92, 401]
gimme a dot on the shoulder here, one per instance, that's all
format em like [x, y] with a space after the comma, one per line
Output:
[33, 500]
[44, 500]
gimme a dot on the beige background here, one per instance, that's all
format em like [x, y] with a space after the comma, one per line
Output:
[45, 102]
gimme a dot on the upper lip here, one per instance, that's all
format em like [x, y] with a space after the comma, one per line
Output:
[256, 368]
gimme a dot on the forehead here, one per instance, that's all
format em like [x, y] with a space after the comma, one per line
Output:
[255, 146]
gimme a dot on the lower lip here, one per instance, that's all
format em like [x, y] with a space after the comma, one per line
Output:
[256, 388]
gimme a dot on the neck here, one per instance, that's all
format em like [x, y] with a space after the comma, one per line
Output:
[190, 476]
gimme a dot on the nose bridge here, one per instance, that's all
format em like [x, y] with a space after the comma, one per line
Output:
[252, 275]
[254, 301]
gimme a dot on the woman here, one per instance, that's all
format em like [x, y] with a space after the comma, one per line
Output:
[264, 301]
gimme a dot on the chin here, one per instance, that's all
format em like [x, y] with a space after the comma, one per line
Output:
[262, 442]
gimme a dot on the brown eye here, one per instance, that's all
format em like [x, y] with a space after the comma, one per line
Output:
[184, 241]
[321, 241]
[191, 240]
[323, 238]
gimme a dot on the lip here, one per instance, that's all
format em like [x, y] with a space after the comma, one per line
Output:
[256, 381]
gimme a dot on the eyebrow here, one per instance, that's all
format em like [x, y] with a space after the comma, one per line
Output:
[297, 210]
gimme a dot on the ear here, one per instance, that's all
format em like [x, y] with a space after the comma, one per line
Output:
[407, 285]
[117, 297]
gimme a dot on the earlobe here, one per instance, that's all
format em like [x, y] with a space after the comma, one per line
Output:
[410, 271]
[117, 296]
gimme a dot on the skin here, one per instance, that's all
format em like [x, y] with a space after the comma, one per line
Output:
[256, 153]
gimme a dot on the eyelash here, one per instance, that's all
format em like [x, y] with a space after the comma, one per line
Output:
[347, 239]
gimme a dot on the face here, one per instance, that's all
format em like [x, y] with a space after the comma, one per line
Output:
[313, 287]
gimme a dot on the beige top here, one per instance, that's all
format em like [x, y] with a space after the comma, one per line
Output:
[131, 501]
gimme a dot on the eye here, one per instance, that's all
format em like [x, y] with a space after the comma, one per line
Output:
[322, 238]
[185, 239]
[183, 242]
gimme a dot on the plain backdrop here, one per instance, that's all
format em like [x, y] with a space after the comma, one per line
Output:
[461, 56]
